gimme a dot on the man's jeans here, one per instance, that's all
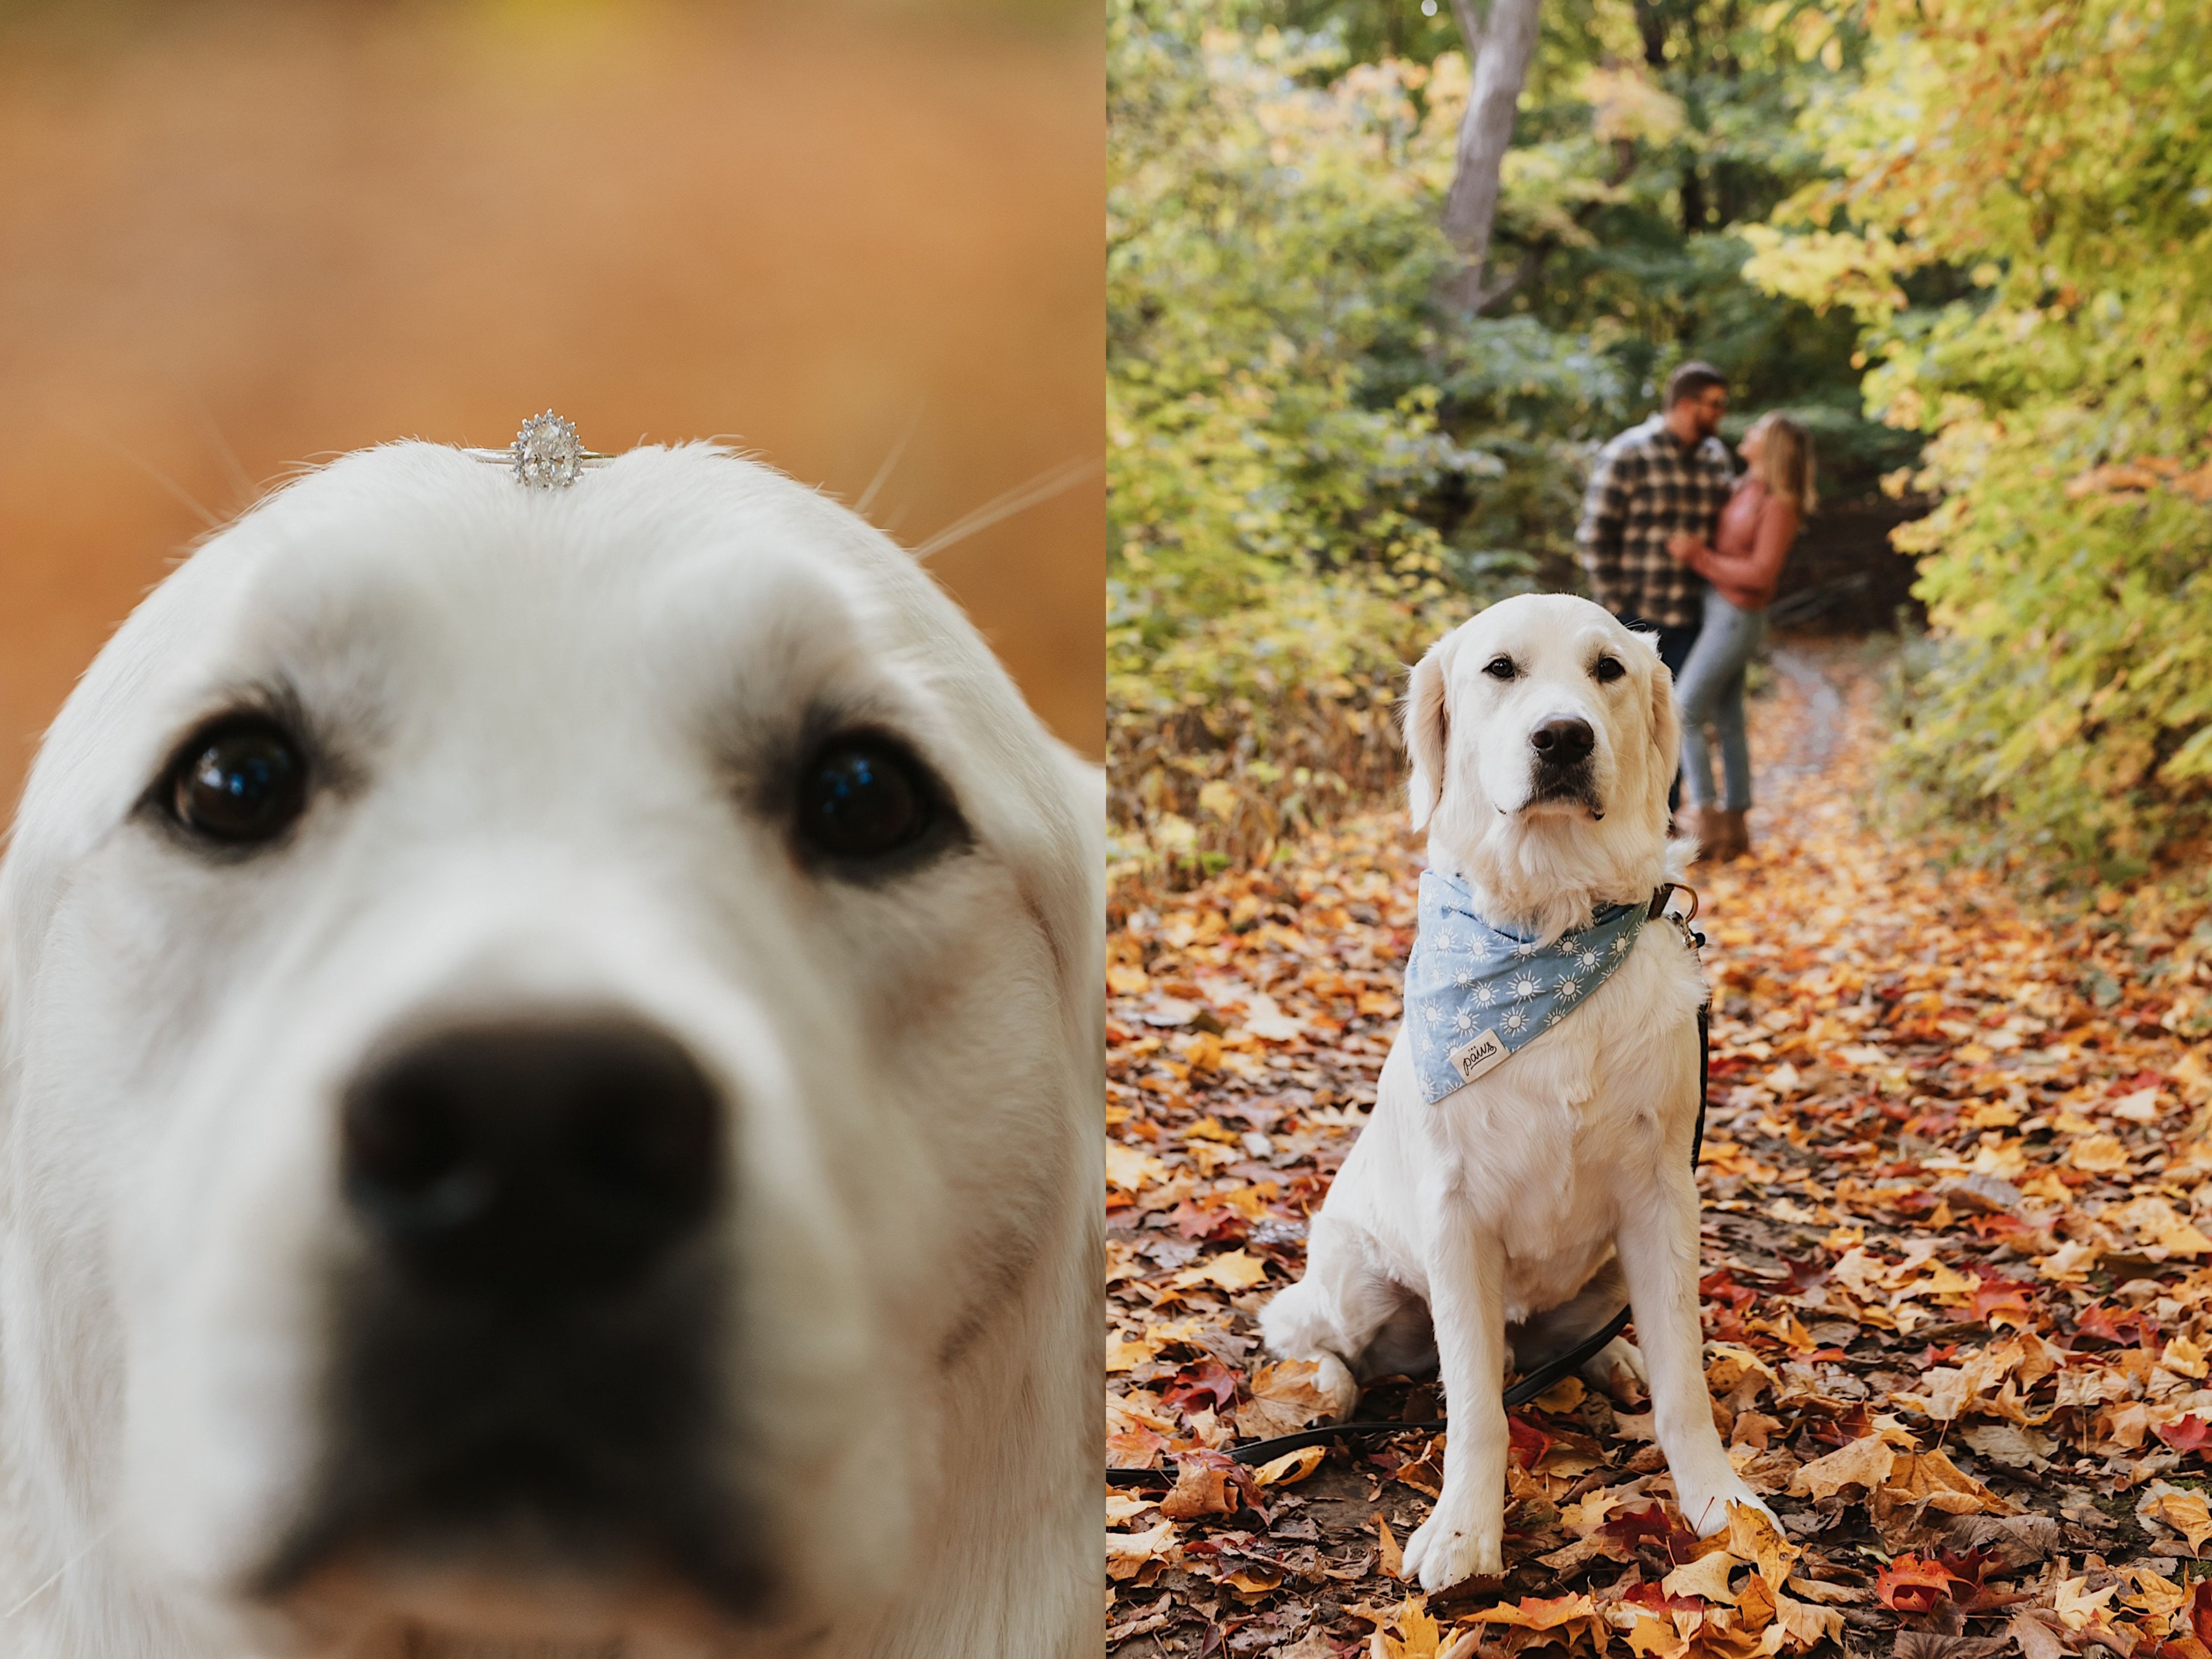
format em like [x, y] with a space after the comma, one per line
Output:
[1674, 645]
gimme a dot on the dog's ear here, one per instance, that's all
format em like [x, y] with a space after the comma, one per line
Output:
[1428, 728]
[1666, 721]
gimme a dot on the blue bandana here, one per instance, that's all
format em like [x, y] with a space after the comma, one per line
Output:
[1476, 994]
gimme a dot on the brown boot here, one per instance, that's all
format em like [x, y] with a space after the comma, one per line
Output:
[1736, 834]
[1708, 827]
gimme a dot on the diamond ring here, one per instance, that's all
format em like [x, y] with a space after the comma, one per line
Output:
[545, 455]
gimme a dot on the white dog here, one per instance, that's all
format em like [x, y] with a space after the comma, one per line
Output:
[553, 1046]
[1543, 737]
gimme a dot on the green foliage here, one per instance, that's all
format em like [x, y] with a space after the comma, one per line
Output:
[1268, 245]
[2022, 224]
[1317, 457]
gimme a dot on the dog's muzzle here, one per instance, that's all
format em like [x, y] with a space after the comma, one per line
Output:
[1564, 745]
[528, 1343]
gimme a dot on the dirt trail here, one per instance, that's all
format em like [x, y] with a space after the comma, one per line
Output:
[1957, 1271]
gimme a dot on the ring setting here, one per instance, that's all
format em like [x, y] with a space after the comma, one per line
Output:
[546, 454]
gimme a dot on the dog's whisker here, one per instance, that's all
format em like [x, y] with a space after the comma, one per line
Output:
[890, 464]
[1053, 482]
[56, 1575]
[175, 489]
[248, 491]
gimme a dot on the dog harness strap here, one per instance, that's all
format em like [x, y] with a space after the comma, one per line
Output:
[1475, 993]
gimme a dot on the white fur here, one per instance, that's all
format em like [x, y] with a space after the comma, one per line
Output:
[551, 707]
[1532, 1197]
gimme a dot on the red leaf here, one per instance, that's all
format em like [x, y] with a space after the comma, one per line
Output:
[2004, 1296]
[1529, 1441]
[2189, 1435]
[1722, 1286]
[2125, 1329]
[1908, 1584]
[1634, 1526]
[1196, 1386]
[2200, 1612]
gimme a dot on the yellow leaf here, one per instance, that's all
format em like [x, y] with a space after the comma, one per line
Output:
[1126, 980]
[1233, 1270]
[2156, 1595]
[1562, 1396]
[1416, 1634]
[1290, 1466]
[1706, 1577]
[2075, 1607]
[1752, 1537]
[1122, 1355]
[1120, 1506]
[1130, 1170]
[1128, 1553]
[2183, 1358]
[1804, 1625]
[1865, 1462]
[1655, 1639]
[1931, 1479]
[2099, 1154]
[2069, 1264]
[2185, 1511]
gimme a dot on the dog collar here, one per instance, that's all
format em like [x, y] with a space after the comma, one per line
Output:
[1476, 994]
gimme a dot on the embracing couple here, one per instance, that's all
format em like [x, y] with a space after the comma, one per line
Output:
[1675, 543]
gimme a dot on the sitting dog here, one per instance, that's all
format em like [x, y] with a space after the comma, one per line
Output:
[552, 1052]
[1528, 1159]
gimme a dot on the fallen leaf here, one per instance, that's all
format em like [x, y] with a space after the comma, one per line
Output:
[1864, 1463]
[1706, 1577]
[1232, 1270]
[1128, 1553]
[2076, 1605]
[1909, 1584]
[1130, 1170]
[1290, 1468]
[2185, 1511]
[1285, 1397]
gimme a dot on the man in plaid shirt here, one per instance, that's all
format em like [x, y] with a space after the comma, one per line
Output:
[1669, 474]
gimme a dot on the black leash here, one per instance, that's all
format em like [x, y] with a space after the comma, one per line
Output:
[1552, 1369]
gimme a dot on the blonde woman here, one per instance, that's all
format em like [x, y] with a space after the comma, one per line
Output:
[1756, 530]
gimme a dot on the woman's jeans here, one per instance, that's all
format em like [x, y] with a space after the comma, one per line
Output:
[1710, 691]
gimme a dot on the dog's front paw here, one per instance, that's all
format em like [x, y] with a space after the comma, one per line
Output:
[1618, 1368]
[1449, 1547]
[1705, 1510]
[1334, 1383]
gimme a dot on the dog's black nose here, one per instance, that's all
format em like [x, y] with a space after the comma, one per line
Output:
[1563, 739]
[532, 1161]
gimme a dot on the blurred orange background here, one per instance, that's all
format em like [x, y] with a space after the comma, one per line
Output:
[236, 238]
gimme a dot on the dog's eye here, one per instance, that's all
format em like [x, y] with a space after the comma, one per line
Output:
[863, 798]
[1608, 669]
[1499, 668]
[241, 783]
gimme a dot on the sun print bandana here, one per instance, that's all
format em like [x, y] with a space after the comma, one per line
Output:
[1475, 995]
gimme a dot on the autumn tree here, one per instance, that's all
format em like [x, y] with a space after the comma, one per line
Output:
[2019, 220]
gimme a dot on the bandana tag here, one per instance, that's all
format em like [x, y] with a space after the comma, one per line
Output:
[1476, 995]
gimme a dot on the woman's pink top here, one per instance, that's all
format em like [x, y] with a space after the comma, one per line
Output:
[1756, 530]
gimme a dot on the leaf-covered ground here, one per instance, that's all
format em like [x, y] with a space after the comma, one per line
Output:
[1957, 1304]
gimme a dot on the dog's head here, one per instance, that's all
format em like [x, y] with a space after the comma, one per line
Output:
[542, 1026]
[1543, 736]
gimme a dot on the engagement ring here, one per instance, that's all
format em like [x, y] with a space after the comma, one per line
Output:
[545, 455]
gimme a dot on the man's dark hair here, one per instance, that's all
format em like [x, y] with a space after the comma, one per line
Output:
[1692, 379]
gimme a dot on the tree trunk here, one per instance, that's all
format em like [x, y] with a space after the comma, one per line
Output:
[1499, 46]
